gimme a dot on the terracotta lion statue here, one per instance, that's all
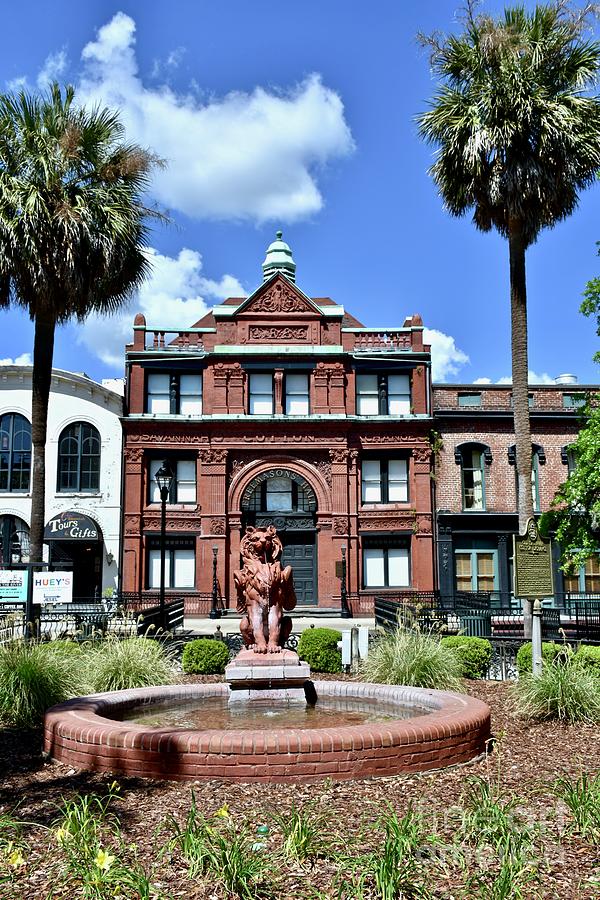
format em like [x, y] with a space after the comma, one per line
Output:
[264, 591]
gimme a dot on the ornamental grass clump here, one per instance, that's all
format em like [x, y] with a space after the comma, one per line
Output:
[562, 690]
[136, 662]
[409, 655]
[32, 679]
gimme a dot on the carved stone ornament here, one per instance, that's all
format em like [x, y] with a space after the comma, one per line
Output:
[217, 526]
[167, 438]
[278, 333]
[134, 454]
[340, 525]
[396, 523]
[211, 457]
[152, 523]
[388, 438]
[421, 454]
[338, 456]
[423, 525]
[132, 524]
[323, 466]
[279, 299]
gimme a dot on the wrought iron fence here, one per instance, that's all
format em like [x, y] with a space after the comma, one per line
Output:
[235, 642]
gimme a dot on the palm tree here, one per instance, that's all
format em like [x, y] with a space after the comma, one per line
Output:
[72, 232]
[517, 137]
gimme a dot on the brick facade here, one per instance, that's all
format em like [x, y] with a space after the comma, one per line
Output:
[319, 454]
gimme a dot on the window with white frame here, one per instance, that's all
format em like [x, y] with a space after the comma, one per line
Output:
[180, 567]
[386, 566]
[538, 458]
[296, 394]
[384, 480]
[382, 395]
[174, 394]
[183, 487]
[473, 479]
[261, 394]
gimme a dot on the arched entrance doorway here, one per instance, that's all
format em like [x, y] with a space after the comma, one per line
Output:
[75, 540]
[285, 499]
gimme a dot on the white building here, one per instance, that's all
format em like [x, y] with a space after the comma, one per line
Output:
[83, 476]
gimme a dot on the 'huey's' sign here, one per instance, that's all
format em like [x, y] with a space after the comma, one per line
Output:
[71, 526]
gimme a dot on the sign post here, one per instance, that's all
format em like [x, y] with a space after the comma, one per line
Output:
[532, 565]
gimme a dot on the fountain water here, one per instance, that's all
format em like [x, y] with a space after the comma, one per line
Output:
[269, 721]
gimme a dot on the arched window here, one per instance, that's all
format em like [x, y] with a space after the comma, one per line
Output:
[14, 540]
[472, 458]
[279, 491]
[15, 452]
[79, 458]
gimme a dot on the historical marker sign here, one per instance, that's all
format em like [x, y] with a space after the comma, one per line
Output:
[533, 564]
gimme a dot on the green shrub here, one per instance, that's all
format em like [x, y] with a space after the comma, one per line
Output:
[115, 665]
[33, 679]
[413, 657]
[562, 690]
[475, 654]
[589, 659]
[318, 647]
[206, 656]
[525, 656]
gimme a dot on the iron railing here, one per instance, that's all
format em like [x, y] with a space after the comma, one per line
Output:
[150, 620]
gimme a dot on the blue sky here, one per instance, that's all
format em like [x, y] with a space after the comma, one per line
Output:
[299, 116]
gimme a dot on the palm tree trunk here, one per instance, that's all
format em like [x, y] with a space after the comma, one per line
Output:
[520, 385]
[43, 350]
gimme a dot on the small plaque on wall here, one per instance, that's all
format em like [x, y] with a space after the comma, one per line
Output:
[338, 569]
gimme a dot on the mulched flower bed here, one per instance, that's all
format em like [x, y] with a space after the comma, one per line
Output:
[525, 763]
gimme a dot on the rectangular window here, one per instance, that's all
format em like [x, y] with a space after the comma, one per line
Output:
[587, 579]
[573, 401]
[473, 475]
[296, 395]
[157, 400]
[367, 395]
[384, 481]
[190, 395]
[168, 394]
[261, 395]
[386, 567]
[183, 489]
[476, 570]
[469, 399]
[382, 395]
[180, 567]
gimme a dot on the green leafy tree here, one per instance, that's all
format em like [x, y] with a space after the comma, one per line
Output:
[517, 136]
[575, 515]
[72, 231]
[591, 305]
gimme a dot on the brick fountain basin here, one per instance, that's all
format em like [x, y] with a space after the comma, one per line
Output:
[448, 729]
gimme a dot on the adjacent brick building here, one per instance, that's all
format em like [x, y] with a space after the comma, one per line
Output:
[280, 408]
[476, 485]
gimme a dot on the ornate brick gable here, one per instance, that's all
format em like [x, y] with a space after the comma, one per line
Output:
[279, 297]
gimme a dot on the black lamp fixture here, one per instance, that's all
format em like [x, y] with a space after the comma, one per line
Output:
[345, 612]
[164, 479]
[215, 612]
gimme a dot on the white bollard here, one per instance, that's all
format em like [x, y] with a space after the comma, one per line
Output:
[536, 638]
[346, 643]
[363, 641]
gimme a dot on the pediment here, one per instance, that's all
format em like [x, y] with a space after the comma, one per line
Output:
[278, 296]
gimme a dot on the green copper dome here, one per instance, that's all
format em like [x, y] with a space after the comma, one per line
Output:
[279, 259]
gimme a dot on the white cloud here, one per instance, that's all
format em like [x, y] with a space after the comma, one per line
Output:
[175, 296]
[446, 357]
[533, 378]
[53, 68]
[482, 381]
[249, 155]
[23, 360]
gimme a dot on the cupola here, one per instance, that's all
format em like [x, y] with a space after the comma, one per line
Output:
[279, 259]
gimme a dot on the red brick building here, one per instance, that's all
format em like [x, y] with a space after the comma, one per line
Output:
[476, 486]
[280, 408]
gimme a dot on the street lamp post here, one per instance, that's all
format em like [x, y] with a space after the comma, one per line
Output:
[345, 612]
[164, 480]
[214, 612]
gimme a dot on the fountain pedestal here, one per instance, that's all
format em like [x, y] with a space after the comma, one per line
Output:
[267, 677]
